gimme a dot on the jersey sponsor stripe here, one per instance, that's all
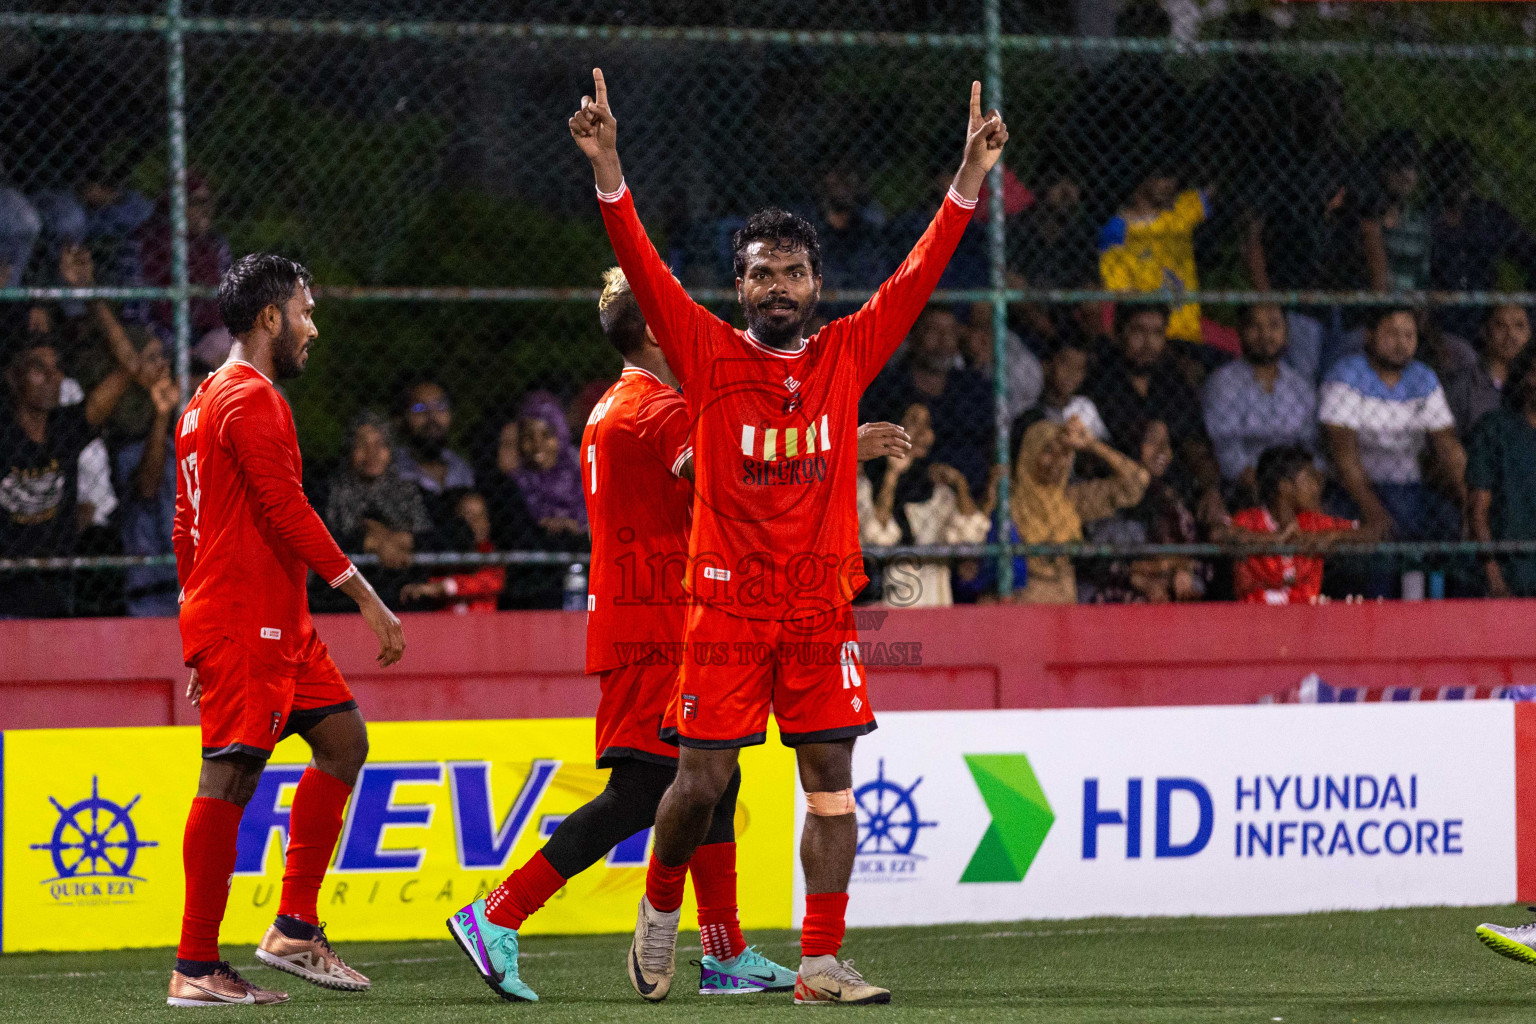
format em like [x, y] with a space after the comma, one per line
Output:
[748, 440]
[791, 442]
[770, 443]
[826, 435]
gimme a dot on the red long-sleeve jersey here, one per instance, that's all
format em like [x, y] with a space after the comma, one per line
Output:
[244, 533]
[775, 433]
[632, 449]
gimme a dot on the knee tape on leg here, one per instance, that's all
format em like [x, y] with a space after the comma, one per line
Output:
[830, 805]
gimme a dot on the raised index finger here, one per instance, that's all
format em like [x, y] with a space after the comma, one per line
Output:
[600, 86]
[975, 104]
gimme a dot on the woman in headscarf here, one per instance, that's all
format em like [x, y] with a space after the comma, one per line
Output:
[919, 501]
[1049, 510]
[549, 475]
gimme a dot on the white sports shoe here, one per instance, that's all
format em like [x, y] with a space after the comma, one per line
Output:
[1517, 943]
[825, 979]
[653, 953]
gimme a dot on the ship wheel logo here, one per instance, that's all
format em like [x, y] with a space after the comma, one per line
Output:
[94, 838]
[888, 818]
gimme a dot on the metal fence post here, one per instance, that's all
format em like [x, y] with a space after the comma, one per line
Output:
[176, 100]
[997, 258]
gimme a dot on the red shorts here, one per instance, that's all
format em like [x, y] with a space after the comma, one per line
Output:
[250, 703]
[734, 669]
[629, 713]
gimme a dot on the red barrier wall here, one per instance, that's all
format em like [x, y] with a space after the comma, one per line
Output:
[529, 664]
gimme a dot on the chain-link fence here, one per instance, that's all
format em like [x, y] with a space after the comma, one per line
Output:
[1194, 254]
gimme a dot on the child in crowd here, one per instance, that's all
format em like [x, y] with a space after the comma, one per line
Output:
[1291, 489]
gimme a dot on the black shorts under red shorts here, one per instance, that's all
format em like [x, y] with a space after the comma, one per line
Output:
[249, 703]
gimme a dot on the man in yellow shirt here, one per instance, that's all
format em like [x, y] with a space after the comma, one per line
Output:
[1149, 246]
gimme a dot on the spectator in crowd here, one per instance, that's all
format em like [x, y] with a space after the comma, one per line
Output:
[1051, 245]
[146, 476]
[208, 255]
[1049, 509]
[1064, 371]
[1140, 383]
[1501, 486]
[1470, 236]
[102, 213]
[1290, 511]
[471, 591]
[1296, 231]
[851, 228]
[1023, 378]
[548, 473]
[919, 501]
[1378, 409]
[1149, 246]
[1474, 391]
[20, 225]
[40, 446]
[959, 400]
[1163, 516]
[425, 458]
[1125, 110]
[1257, 402]
[1395, 228]
[370, 508]
[498, 456]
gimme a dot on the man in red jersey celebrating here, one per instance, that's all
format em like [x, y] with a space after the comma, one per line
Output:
[245, 539]
[637, 461]
[774, 554]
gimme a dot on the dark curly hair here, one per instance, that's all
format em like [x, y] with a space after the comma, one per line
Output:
[786, 232]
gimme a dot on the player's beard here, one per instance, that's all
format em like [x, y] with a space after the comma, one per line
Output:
[777, 333]
[288, 352]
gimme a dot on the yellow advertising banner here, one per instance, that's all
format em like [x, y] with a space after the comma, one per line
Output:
[93, 821]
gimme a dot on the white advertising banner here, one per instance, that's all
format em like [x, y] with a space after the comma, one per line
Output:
[1003, 815]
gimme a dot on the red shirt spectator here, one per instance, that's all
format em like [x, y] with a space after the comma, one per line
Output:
[1282, 579]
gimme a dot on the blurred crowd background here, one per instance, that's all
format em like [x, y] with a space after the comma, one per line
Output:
[1360, 174]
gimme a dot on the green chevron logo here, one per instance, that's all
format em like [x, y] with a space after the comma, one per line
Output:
[1021, 817]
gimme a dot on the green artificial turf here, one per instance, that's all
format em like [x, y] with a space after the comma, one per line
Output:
[1397, 966]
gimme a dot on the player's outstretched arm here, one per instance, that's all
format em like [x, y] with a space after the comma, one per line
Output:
[886, 318]
[674, 318]
[384, 623]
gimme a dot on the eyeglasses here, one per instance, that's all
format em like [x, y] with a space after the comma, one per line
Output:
[441, 405]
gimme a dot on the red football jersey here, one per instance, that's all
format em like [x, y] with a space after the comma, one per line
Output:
[634, 444]
[1282, 579]
[244, 533]
[775, 433]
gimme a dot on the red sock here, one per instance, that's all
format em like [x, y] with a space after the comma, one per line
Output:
[208, 859]
[524, 892]
[664, 885]
[821, 933]
[314, 822]
[714, 884]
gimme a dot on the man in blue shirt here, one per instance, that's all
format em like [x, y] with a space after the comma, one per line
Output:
[1258, 402]
[1378, 409]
